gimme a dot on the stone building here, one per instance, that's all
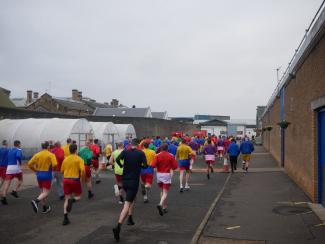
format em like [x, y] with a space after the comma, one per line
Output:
[300, 100]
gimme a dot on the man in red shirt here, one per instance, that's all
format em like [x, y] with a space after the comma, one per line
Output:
[164, 162]
[57, 175]
[94, 147]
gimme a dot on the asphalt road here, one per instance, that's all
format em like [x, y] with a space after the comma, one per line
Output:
[92, 220]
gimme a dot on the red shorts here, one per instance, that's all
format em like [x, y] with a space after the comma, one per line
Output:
[3, 171]
[45, 184]
[19, 176]
[147, 178]
[187, 167]
[118, 179]
[210, 162]
[95, 164]
[164, 186]
[87, 172]
[71, 186]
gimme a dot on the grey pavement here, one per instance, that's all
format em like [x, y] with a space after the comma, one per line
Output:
[263, 207]
[92, 220]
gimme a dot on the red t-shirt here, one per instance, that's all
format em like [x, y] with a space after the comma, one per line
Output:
[59, 154]
[96, 151]
[164, 162]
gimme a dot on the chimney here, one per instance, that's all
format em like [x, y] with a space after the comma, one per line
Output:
[29, 97]
[75, 94]
[133, 106]
[114, 103]
[36, 95]
[79, 95]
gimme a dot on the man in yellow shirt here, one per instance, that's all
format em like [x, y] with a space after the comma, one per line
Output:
[183, 154]
[66, 148]
[42, 164]
[108, 153]
[147, 174]
[73, 169]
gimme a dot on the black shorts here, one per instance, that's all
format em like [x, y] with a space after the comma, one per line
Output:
[131, 190]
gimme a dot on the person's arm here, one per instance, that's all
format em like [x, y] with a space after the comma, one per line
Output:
[31, 163]
[82, 168]
[154, 162]
[252, 147]
[111, 160]
[119, 158]
[19, 156]
[63, 166]
[174, 163]
[144, 164]
[54, 162]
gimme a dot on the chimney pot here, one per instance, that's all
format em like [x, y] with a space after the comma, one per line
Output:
[36, 95]
[29, 97]
[75, 94]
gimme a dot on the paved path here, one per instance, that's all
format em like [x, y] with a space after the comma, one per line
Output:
[93, 220]
[262, 207]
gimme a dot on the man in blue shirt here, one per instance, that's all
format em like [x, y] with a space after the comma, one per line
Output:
[246, 149]
[13, 171]
[233, 152]
[3, 161]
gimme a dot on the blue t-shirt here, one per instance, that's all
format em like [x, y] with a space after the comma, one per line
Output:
[172, 149]
[4, 156]
[14, 156]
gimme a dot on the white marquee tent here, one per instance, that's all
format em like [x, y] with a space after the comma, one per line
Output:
[125, 131]
[106, 132]
[32, 132]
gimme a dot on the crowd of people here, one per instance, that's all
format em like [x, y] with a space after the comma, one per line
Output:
[134, 163]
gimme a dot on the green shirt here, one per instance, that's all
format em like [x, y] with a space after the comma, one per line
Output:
[86, 154]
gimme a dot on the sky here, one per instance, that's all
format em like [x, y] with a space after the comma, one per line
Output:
[185, 57]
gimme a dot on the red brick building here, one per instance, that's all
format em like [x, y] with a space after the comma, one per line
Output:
[300, 100]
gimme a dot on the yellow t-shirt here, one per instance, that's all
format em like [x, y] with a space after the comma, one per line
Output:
[184, 152]
[42, 161]
[66, 150]
[108, 150]
[150, 155]
[73, 167]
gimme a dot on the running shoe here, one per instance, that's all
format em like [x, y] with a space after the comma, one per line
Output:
[46, 209]
[90, 195]
[116, 232]
[15, 194]
[34, 205]
[66, 221]
[165, 210]
[208, 176]
[130, 221]
[181, 190]
[145, 199]
[187, 187]
[160, 210]
[4, 201]
[98, 181]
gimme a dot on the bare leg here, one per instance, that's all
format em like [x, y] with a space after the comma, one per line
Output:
[5, 187]
[163, 198]
[181, 175]
[124, 212]
[18, 185]
[187, 176]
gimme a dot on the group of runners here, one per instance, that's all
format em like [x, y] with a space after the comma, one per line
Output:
[134, 163]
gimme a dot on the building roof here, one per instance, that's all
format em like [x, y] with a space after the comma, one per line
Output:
[210, 117]
[242, 121]
[214, 122]
[72, 104]
[124, 112]
[21, 101]
[159, 115]
[5, 100]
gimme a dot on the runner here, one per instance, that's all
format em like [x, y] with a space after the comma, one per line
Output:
[134, 160]
[66, 148]
[87, 155]
[57, 175]
[209, 152]
[108, 153]
[147, 174]
[73, 169]
[183, 154]
[13, 171]
[3, 161]
[220, 148]
[165, 163]
[118, 171]
[42, 164]
[95, 148]
[246, 149]
[233, 152]
[195, 147]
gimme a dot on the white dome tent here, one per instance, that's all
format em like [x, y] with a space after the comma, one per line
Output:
[31, 132]
[125, 131]
[106, 132]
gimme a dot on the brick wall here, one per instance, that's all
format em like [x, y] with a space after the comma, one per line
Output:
[301, 136]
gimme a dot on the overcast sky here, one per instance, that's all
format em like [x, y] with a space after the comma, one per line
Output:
[183, 56]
